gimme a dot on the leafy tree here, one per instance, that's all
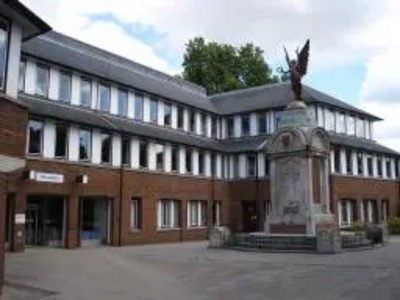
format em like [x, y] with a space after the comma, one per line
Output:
[221, 67]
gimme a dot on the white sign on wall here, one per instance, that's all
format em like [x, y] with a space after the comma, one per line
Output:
[49, 177]
[19, 218]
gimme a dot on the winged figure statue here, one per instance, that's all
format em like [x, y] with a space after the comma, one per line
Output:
[297, 69]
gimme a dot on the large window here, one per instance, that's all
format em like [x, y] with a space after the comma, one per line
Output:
[167, 114]
[349, 161]
[3, 52]
[64, 87]
[42, 81]
[262, 123]
[379, 167]
[106, 148]
[85, 144]
[214, 127]
[203, 121]
[245, 125]
[21, 75]
[192, 121]
[337, 160]
[251, 165]
[340, 123]
[159, 149]
[388, 168]
[126, 151]
[350, 125]
[197, 213]
[329, 119]
[122, 103]
[153, 110]
[104, 98]
[360, 163]
[136, 214]
[266, 165]
[138, 109]
[35, 137]
[143, 154]
[189, 161]
[230, 127]
[86, 92]
[180, 117]
[175, 159]
[201, 162]
[168, 214]
[61, 148]
[360, 128]
[370, 167]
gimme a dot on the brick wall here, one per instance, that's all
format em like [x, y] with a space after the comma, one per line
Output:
[2, 226]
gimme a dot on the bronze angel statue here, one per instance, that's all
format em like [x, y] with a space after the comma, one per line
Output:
[297, 69]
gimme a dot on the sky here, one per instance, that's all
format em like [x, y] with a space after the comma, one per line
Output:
[354, 48]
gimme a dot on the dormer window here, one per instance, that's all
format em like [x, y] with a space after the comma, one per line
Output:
[3, 52]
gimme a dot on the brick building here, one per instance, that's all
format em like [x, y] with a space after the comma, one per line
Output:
[119, 154]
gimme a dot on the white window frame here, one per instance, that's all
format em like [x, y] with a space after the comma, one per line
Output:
[349, 213]
[135, 214]
[195, 210]
[46, 90]
[218, 213]
[41, 137]
[171, 219]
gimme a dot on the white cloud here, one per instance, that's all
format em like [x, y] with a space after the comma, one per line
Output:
[341, 31]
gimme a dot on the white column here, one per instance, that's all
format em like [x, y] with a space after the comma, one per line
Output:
[237, 128]
[135, 153]
[131, 105]
[375, 166]
[223, 128]
[146, 108]
[218, 169]
[96, 146]
[198, 121]
[253, 124]
[343, 162]
[168, 157]
[325, 190]
[49, 139]
[30, 77]
[332, 161]
[349, 212]
[261, 164]
[53, 84]
[174, 116]
[95, 86]
[209, 123]
[242, 166]
[75, 90]
[369, 211]
[354, 162]
[207, 162]
[116, 150]
[339, 210]
[271, 118]
[362, 211]
[152, 156]
[186, 119]
[320, 116]
[384, 171]
[195, 161]
[160, 113]
[182, 160]
[159, 208]
[73, 143]
[114, 100]
[392, 167]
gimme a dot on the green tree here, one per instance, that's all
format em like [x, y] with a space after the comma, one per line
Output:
[221, 67]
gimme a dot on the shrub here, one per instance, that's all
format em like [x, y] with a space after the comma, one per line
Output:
[356, 227]
[394, 225]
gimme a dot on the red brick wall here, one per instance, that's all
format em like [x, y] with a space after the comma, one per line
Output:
[2, 225]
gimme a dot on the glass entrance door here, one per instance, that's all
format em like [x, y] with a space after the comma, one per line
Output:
[33, 225]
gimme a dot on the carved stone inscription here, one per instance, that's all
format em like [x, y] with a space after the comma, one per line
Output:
[290, 191]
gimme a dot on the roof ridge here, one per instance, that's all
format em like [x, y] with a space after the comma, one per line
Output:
[134, 66]
[250, 89]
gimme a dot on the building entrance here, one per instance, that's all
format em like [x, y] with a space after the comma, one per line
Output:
[249, 216]
[94, 221]
[45, 221]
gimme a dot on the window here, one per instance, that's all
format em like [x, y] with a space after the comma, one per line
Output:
[344, 213]
[86, 92]
[138, 109]
[61, 141]
[122, 103]
[388, 168]
[85, 144]
[329, 119]
[360, 128]
[351, 126]
[175, 159]
[35, 137]
[167, 114]
[126, 151]
[349, 161]
[251, 165]
[337, 158]
[214, 127]
[230, 126]
[203, 120]
[266, 165]
[64, 87]
[188, 160]
[168, 214]
[3, 52]
[42, 81]
[192, 121]
[370, 211]
[213, 164]
[236, 161]
[106, 148]
[201, 162]
[262, 123]
[197, 213]
[223, 165]
[104, 98]
[360, 164]
[153, 111]
[159, 149]
[216, 213]
[136, 214]
[180, 117]
[143, 154]
[21, 76]
[370, 166]
[340, 123]
[396, 168]
[245, 125]
[379, 167]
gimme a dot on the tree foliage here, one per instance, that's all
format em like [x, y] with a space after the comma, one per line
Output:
[222, 67]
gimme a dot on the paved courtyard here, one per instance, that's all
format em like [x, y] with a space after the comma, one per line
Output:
[190, 272]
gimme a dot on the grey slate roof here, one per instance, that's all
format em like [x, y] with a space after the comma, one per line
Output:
[60, 49]
[82, 116]
[274, 96]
